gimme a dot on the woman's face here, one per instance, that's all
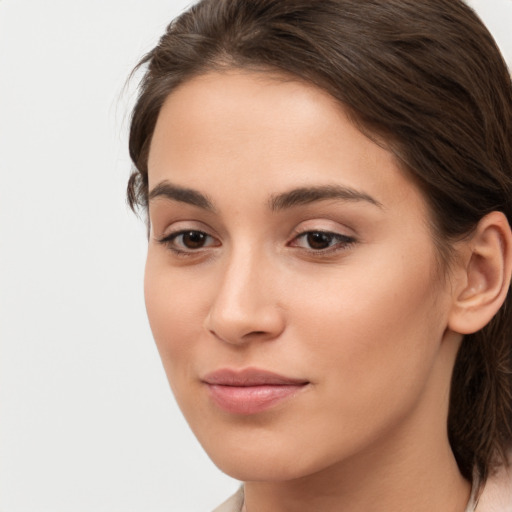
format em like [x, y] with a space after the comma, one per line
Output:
[291, 280]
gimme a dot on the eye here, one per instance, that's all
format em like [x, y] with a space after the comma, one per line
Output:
[188, 241]
[321, 241]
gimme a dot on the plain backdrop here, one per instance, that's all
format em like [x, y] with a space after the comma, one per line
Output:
[87, 422]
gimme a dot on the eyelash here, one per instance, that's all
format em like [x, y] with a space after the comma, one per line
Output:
[341, 242]
[170, 241]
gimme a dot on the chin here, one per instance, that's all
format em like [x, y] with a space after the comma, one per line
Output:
[260, 468]
[265, 460]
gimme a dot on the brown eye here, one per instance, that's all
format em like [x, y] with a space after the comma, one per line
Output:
[189, 241]
[194, 239]
[322, 242]
[318, 240]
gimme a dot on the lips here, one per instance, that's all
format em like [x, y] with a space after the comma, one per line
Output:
[250, 391]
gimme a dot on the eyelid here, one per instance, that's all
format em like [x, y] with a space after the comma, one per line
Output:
[323, 225]
[175, 234]
[341, 239]
[344, 237]
[179, 224]
[181, 228]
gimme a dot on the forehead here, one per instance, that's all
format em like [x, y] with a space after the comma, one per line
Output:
[255, 129]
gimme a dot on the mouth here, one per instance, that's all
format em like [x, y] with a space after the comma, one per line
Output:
[251, 390]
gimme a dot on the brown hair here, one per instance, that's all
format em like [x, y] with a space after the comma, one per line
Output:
[426, 78]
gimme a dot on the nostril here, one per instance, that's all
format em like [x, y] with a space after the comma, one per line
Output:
[243, 321]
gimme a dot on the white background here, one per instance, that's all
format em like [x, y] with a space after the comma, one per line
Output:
[87, 422]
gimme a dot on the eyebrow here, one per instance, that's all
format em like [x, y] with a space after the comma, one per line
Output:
[307, 195]
[295, 197]
[181, 194]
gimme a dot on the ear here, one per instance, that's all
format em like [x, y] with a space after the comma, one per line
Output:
[483, 279]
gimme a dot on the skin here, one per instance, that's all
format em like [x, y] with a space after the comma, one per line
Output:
[365, 320]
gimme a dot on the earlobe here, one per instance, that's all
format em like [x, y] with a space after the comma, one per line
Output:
[486, 275]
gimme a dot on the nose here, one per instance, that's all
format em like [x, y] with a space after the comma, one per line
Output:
[246, 304]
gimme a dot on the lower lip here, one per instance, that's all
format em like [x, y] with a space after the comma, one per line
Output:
[251, 399]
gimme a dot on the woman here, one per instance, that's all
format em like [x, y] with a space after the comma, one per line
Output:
[328, 194]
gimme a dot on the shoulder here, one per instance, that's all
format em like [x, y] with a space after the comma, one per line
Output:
[497, 493]
[233, 504]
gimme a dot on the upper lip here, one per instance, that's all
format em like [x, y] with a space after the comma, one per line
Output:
[250, 377]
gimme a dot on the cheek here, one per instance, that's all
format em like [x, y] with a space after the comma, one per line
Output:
[370, 339]
[176, 304]
[373, 326]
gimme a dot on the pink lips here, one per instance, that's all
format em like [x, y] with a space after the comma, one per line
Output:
[249, 391]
